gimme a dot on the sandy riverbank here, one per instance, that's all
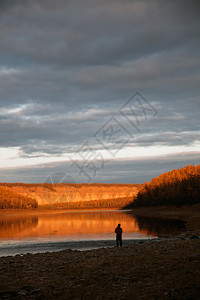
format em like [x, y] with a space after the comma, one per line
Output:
[162, 269]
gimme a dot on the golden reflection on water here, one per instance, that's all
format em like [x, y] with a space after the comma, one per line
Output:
[65, 223]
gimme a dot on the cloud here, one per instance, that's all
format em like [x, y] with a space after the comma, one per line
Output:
[114, 171]
[66, 68]
[8, 72]
[110, 32]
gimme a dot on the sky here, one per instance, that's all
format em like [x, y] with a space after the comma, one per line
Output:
[98, 91]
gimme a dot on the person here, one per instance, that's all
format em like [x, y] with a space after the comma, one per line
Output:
[118, 231]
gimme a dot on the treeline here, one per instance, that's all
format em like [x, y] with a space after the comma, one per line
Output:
[77, 185]
[113, 203]
[11, 200]
[11, 184]
[177, 187]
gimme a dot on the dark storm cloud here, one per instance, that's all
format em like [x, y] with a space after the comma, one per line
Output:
[101, 32]
[67, 66]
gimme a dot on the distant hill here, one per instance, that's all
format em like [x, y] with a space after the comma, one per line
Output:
[68, 195]
[177, 187]
[9, 200]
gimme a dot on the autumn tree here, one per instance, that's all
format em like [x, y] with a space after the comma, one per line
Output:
[177, 187]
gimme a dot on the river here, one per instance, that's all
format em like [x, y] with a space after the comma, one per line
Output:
[40, 231]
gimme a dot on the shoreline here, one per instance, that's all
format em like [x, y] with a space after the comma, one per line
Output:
[54, 210]
[82, 245]
[166, 269]
[163, 268]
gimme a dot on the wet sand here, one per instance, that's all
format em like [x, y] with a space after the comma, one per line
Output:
[167, 268]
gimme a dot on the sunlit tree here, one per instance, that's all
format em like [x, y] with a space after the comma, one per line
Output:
[177, 187]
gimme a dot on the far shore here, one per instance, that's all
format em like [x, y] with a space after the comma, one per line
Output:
[185, 211]
[41, 210]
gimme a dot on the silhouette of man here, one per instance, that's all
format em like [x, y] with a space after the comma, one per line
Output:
[118, 231]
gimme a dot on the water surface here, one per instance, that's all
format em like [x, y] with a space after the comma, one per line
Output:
[57, 230]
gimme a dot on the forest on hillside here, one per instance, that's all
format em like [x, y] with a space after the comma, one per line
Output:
[105, 203]
[11, 200]
[177, 187]
[23, 196]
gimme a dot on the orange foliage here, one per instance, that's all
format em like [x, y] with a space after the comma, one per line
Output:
[106, 203]
[9, 199]
[177, 187]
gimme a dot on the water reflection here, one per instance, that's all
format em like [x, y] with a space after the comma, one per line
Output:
[58, 230]
[15, 226]
[70, 223]
[78, 225]
[159, 226]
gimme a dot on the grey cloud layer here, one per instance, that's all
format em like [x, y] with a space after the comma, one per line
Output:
[116, 171]
[97, 32]
[67, 66]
